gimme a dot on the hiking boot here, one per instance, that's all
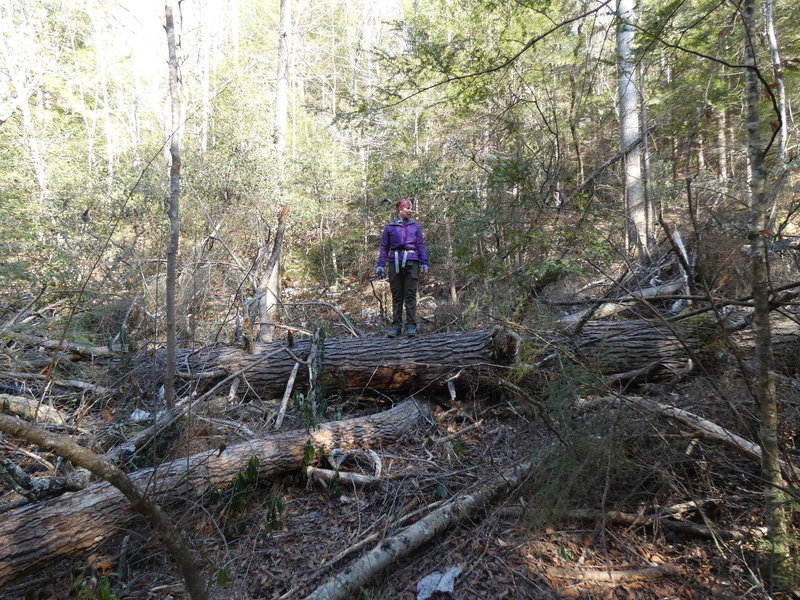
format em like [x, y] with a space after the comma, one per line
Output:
[393, 332]
[411, 331]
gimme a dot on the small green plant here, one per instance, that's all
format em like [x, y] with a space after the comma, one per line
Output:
[234, 502]
[93, 588]
[311, 455]
[274, 509]
[563, 551]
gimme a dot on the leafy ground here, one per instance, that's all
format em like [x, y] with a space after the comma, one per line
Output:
[280, 538]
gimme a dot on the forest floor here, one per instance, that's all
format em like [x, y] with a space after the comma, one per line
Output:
[283, 537]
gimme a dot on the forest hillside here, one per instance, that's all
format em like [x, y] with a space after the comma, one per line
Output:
[198, 397]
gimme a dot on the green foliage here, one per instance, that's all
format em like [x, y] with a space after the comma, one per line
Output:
[93, 588]
[310, 455]
[567, 384]
[234, 503]
[274, 507]
[578, 469]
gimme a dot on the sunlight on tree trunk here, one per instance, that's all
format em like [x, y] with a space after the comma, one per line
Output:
[758, 206]
[636, 211]
[780, 85]
[269, 285]
[173, 206]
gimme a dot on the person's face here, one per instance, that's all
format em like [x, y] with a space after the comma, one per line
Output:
[406, 210]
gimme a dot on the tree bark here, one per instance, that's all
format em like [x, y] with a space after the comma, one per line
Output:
[636, 211]
[758, 206]
[38, 535]
[401, 365]
[405, 365]
[269, 282]
[173, 204]
[780, 85]
[170, 536]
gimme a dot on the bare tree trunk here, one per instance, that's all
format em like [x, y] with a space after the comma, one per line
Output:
[107, 128]
[173, 207]
[645, 136]
[282, 85]
[780, 84]
[269, 284]
[451, 269]
[23, 90]
[205, 74]
[722, 140]
[758, 206]
[636, 211]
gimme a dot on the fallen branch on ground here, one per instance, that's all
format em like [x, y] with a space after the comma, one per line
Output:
[613, 575]
[707, 429]
[70, 383]
[87, 517]
[169, 534]
[667, 522]
[328, 477]
[347, 583]
[30, 408]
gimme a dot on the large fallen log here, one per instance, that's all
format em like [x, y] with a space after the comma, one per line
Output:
[612, 347]
[35, 536]
[354, 365]
[403, 365]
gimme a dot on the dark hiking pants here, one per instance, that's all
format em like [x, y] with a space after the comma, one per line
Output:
[404, 292]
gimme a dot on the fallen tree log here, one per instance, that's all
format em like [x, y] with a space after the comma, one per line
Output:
[606, 575]
[401, 365]
[606, 309]
[614, 347]
[708, 430]
[667, 522]
[30, 408]
[405, 365]
[38, 535]
[638, 349]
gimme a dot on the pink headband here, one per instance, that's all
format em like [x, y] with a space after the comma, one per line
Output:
[404, 203]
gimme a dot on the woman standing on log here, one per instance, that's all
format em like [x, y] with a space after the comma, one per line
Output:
[403, 246]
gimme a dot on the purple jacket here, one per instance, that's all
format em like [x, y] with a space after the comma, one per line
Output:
[397, 236]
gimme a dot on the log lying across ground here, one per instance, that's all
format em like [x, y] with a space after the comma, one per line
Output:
[37, 535]
[360, 365]
[355, 365]
[407, 365]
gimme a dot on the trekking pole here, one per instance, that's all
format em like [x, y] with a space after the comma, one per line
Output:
[377, 297]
